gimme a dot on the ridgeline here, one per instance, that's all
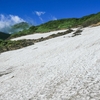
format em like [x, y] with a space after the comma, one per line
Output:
[6, 44]
[60, 24]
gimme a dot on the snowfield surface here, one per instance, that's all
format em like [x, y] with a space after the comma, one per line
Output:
[62, 68]
[38, 35]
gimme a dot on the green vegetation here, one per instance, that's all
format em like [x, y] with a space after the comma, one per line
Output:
[22, 25]
[19, 27]
[56, 25]
[31, 30]
[60, 24]
[91, 19]
[3, 36]
[15, 29]
[6, 45]
[24, 28]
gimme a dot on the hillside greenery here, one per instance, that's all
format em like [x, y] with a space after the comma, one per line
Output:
[6, 44]
[22, 25]
[60, 24]
[31, 30]
[19, 27]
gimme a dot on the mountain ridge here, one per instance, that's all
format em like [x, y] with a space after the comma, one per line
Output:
[54, 25]
[61, 24]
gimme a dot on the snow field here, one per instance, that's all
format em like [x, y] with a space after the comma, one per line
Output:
[62, 68]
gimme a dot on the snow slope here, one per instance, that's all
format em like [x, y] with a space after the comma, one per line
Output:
[37, 35]
[62, 68]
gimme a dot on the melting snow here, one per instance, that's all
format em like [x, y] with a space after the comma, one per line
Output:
[37, 35]
[62, 68]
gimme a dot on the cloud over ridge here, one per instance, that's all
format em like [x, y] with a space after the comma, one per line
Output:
[7, 20]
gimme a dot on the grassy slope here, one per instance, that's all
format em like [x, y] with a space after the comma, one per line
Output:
[68, 23]
[22, 25]
[60, 24]
[49, 26]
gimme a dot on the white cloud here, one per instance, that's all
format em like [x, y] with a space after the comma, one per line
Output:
[7, 20]
[15, 19]
[39, 13]
[41, 19]
[53, 17]
[2, 17]
[30, 20]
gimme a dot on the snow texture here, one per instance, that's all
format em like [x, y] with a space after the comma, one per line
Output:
[37, 35]
[62, 68]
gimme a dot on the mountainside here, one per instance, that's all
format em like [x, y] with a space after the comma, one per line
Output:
[24, 28]
[19, 27]
[61, 24]
[13, 29]
[22, 25]
[61, 68]
[4, 36]
[90, 20]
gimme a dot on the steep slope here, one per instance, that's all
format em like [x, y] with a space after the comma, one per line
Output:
[63, 68]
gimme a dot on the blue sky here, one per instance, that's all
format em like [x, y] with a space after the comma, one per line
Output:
[40, 11]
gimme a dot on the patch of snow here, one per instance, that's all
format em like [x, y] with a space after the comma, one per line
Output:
[37, 35]
[56, 69]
